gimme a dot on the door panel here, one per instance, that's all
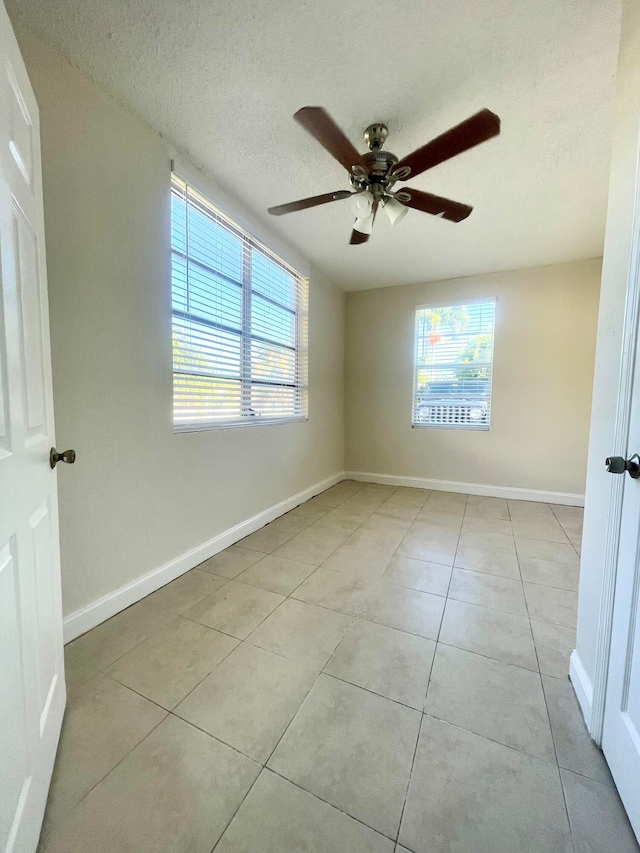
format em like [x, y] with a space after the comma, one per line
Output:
[621, 732]
[44, 581]
[32, 692]
[21, 128]
[27, 279]
[13, 731]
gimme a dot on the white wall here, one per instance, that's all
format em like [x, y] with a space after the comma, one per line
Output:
[615, 271]
[139, 495]
[543, 368]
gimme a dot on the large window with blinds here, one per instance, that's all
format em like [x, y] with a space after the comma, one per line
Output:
[453, 365]
[239, 323]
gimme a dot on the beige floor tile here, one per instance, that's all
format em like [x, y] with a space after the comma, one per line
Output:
[567, 513]
[436, 534]
[276, 574]
[488, 561]
[420, 496]
[400, 511]
[279, 817]
[185, 591]
[341, 591]
[77, 670]
[312, 545]
[338, 494]
[488, 591]
[449, 498]
[389, 662]
[265, 540]
[573, 527]
[301, 632]
[552, 605]
[444, 515]
[322, 501]
[483, 539]
[230, 562]
[576, 751]
[541, 550]
[365, 503]
[474, 501]
[235, 609]
[104, 721]
[498, 511]
[341, 521]
[547, 529]
[118, 635]
[417, 574]
[489, 525]
[549, 573]
[493, 633]
[378, 541]
[427, 550]
[499, 701]
[598, 820]
[554, 644]
[312, 511]
[471, 795]
[405, 609]
[170, 663]
[174, 793]
[524, 509]
[358, 562]
[530, 514]
[292, 523]
[249, 700]
[436, 503]
[352, 749]
[379, 521]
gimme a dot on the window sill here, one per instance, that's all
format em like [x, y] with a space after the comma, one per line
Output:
[480, 428]
[178, 429]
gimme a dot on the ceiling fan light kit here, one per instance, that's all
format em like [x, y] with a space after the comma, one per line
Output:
[395, 210]
[374, 174]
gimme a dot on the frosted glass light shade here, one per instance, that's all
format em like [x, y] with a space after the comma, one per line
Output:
[395, 211]
[365, 225]
[361, 204]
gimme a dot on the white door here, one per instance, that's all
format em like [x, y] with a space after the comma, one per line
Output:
[32, 691]
[621, 732]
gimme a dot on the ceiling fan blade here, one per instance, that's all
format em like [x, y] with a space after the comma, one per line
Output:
[473, 131]
[434, 204]
[358, 237]
[312, 201]
[322, 127]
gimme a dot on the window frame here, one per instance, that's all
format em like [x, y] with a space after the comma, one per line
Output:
[193, 195]
[484, 427]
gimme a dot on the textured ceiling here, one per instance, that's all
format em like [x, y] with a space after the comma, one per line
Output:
[222, 80]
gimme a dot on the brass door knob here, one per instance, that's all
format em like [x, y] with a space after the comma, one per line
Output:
[68, 456]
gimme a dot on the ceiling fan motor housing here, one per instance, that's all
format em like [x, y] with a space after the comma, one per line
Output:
[378, 164]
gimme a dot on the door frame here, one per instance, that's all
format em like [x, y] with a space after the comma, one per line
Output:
[622, 425]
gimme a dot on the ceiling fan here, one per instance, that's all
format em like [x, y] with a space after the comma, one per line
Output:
[374, 174]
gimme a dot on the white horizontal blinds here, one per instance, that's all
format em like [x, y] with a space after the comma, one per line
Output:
[453, 365]
[239, 322]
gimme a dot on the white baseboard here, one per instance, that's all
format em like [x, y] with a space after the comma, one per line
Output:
[98, 611]
[469, 488]
[582, 686]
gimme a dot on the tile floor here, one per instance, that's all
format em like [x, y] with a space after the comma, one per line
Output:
[380, 670]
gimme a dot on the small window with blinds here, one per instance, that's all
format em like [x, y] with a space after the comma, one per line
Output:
[453, 366]
[239, 323]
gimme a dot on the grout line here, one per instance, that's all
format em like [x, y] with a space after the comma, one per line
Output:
[326, 802]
